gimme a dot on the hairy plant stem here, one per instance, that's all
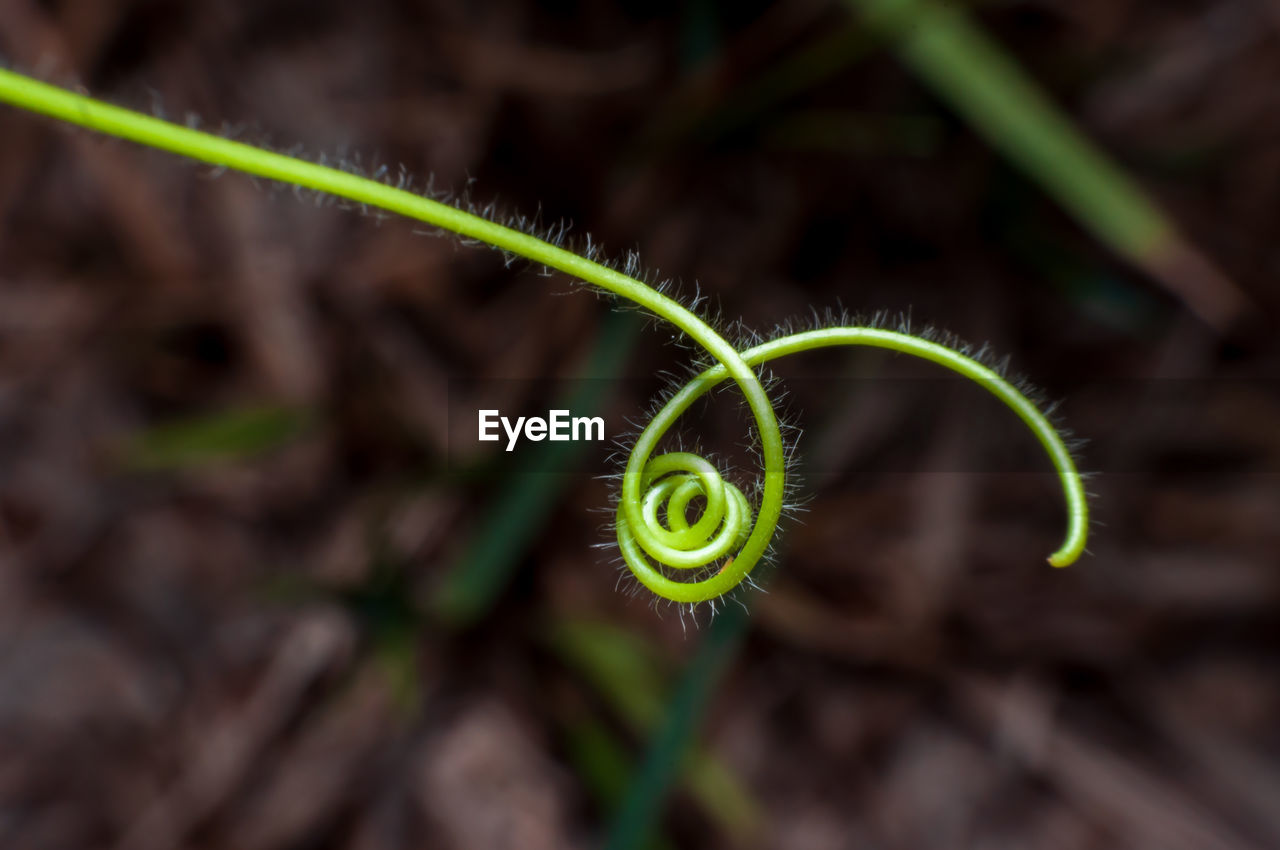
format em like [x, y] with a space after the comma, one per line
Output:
[651, 486]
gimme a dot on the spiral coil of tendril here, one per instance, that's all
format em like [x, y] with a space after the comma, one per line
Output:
[671, 482]
[666, 486]
[653, 488]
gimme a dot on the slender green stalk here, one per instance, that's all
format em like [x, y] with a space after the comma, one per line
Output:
[652, 487]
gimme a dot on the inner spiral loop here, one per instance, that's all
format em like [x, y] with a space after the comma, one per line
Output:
[671, 483]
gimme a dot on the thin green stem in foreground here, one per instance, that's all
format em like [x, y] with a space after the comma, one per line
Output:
[723, 540]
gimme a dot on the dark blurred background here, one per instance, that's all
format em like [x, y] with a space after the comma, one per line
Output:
[250, 598]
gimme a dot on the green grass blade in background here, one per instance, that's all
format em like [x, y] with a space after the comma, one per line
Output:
[621, 665]
[530, 492]
[626, 671]
[222, 437]
[955, 57]
[673, 739]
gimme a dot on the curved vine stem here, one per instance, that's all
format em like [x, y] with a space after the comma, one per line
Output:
[635, 530]
[654, 489]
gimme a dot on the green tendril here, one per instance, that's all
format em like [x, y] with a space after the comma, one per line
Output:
[655, 534]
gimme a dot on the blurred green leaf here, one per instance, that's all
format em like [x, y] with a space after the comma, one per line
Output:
[222, 437]
[630, 675]
[672, 743]
[602, 761]
[621, 666]
[603, 764]
[982, 82]
[978, 78]
[395, 653]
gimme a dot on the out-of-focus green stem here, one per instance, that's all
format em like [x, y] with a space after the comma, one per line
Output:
[671, 742]
[979, 79]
